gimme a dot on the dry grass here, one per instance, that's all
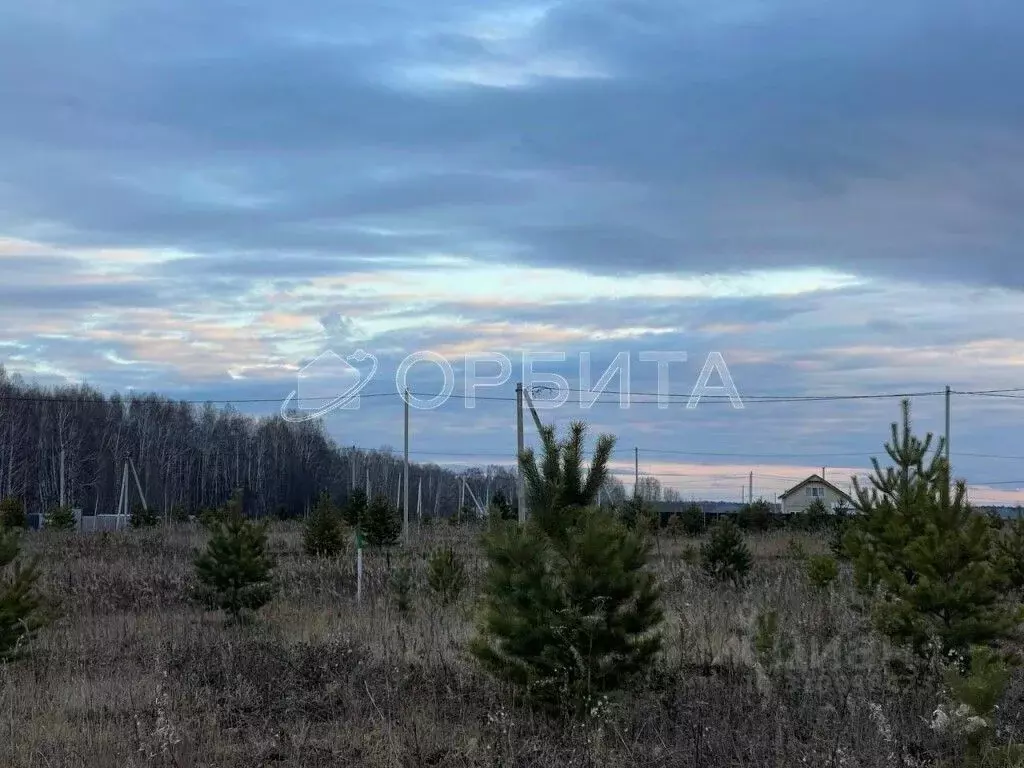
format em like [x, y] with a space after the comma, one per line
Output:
[136, 675]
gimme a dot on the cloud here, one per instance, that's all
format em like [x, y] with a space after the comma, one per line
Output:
[827, 195]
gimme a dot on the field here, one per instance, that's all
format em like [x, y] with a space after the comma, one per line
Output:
[134, 674]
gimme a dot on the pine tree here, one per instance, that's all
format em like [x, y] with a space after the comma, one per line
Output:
[60, 519]
[12, 513]
[325, 534]
[928, 561]
[446, 575]
[23, 611]
[382, 526]
[354, 510]
[141, 517]
[725, 556]
[235, 572]
[693, 520]
[501, 508]
[570, 608]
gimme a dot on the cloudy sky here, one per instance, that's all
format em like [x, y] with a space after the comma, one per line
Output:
[199, 198]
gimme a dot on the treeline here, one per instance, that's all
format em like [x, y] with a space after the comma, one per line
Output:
[192, 457]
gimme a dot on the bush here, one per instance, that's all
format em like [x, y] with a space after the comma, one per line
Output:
[570, 610]
[674, 526]
[756, 516]
[179, 514]
[401, 583]
[822, 570]
[23, 611]
[354, 510]
[325, 534]
[446, 575]
[382, 526]
[1010, 547]
[691, 555]
[61, 519]
[839, 528]
[725, 556]
[693, 520]
[12, 514]
[142, 517]
[235, 572]
[813, 518]
[501, 508]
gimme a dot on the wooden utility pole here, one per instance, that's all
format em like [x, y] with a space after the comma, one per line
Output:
[948, 462]
[636, 472]
[520, 446]
[750, 487]
[405, 476]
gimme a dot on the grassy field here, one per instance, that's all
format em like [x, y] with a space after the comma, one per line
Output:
[134, 674]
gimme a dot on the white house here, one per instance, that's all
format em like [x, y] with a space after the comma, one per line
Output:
[806, 492]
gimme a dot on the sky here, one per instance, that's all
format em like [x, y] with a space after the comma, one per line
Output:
[201, 198]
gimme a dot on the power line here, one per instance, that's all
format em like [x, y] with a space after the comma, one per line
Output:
[145, 399]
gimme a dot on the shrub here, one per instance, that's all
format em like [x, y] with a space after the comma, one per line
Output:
[772, 644]
[382, 526]
[141, 517]
[23, 612]
[179, 514]
[796, 549]
[12, 514]
[822, 570]
[570, 610]
[211, 517]
[325, 533]
[501, 508]
[235, 571]
[813, 518]
[839, 528]
[725, 556]
[693, 520]
[446, 575]
[756, 516]
[1010, 547]
[354, 510]
[691, 555]
[927, 560]
[401, 583]
[61, 519]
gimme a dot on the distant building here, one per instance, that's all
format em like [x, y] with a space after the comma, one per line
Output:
[814, 488]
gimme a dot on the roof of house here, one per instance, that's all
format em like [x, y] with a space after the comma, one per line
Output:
[814, 479]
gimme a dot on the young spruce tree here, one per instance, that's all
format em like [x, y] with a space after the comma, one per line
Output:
[325, 534]
[570, 609]
[235, 571]
[23, 611]
[928, 561]
[12, 513]
[382, 526]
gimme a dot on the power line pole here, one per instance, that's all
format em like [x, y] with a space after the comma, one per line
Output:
[636, 472]
[405, 477]
[948, 464]
[750, 486]
[520, 446]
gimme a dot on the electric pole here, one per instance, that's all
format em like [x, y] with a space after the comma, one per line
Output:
[636, 472]
[405, 476]
[520, 489]
[750, 486]
[948, 464]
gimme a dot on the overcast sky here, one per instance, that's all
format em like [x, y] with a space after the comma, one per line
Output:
[199, 198]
